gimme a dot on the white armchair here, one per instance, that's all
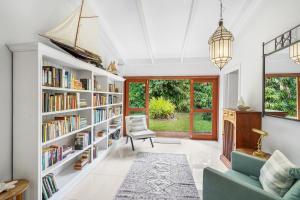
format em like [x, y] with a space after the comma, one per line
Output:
[136, 129]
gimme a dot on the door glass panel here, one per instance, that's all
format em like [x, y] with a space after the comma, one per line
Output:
[137, 95]
[202, 122]
[203, 95]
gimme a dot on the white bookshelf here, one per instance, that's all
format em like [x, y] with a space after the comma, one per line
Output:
[28, 61]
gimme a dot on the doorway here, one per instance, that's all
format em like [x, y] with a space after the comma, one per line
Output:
[178, 106]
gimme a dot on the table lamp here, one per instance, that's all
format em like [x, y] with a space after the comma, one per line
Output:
[259, 152]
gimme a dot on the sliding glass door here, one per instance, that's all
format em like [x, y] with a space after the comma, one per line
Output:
[199, 105]
[204, 108]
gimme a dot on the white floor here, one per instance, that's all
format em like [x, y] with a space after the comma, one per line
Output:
[105, 179]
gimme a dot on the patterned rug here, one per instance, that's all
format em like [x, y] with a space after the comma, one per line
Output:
[159, 176]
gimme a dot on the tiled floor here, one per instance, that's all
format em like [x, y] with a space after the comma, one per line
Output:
[105, 179]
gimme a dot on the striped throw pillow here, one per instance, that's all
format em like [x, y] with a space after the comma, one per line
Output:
[137, 124]
[274, 175]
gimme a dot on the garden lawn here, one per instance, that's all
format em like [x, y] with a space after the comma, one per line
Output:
[180, 124]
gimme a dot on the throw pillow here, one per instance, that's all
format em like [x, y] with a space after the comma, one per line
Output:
[137, 124]
[274, 175]
[295, 172]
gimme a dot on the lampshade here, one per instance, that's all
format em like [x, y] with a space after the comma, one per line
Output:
[220, 46]
[295, 52]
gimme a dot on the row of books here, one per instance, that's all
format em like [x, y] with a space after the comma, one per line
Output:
[82, 140]
[86, 84]
[49, 186]
[54, 154]
[57, 77]
[97, 85]
[113, 99]
[99, 100]
[114, 111]
[100, 115]
[112, 88]
[83, 103]
[52, 77]
[60, 101]
[85, 158]
[62, 125]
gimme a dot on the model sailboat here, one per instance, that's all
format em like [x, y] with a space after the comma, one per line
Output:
[79, 35]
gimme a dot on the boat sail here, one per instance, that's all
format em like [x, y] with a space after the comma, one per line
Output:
[79, 35]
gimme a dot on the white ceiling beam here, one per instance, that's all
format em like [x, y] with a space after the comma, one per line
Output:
[188, 27]
[247, 11]
[142, 18]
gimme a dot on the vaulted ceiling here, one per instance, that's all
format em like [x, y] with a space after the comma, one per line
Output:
[158, 31]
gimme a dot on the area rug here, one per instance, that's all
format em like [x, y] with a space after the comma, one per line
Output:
[159, 176]
[167, 140]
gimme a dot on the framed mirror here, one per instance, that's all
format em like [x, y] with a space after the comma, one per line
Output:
[281, 77]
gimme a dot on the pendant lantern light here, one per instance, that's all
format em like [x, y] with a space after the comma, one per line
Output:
[220, 44]
[295, 52]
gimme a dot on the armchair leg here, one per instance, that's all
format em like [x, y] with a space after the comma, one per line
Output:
[126, 139]
[132, 143]
[151, 142]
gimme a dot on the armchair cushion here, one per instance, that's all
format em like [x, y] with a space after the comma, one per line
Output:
[294, 192]
[142, 134]
[234, 175]
[220, 186]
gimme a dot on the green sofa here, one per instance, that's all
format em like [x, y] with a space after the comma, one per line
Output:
[241, 182]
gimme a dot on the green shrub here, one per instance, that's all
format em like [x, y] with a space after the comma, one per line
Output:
[160, 108]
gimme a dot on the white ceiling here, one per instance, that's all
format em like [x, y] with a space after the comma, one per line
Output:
[153, 31]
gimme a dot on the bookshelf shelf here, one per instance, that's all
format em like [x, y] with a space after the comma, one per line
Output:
[36, 65]
[65, 111]
[112, 93]
[112, 130]
[64, 161]
[115, 104]
[102, 106]
[115, 117]
[66, 135]
[102, 122]
[99, 139]
[64, 89]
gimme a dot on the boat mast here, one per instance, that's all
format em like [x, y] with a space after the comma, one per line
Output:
[77, 30]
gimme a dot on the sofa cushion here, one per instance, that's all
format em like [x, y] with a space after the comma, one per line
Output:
[244, 178]
[274, 175]
[294, 192]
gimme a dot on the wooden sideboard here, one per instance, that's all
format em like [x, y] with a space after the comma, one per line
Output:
[237, 131]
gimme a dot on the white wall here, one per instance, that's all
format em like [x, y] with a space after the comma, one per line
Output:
[22, 21]
[171, 69]
[272, 18]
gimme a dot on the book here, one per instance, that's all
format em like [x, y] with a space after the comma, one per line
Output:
[85, 158]
[49, 186]
[112, 99]
[86, 84]
[99, 100]
[82, 140]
